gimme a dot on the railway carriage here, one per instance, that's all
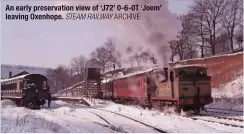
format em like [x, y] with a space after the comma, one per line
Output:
[131, 88]
[29, 90]
[107, 89]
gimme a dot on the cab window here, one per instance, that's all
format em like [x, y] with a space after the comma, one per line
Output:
[201, 72]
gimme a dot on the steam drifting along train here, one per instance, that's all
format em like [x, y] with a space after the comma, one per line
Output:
[29, 90]
[187, 88]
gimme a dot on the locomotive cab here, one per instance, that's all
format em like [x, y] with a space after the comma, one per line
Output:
[193, 87]
[187, 87]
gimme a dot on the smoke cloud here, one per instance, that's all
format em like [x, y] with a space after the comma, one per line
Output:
[151, 33]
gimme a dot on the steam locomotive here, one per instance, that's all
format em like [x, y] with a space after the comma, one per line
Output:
[187, 88]
[29, 90]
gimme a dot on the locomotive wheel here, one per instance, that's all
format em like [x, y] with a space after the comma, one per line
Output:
[17, 102]
[31, 105]
[143, 107]
[150, 107]
[37, 107]
[20, 103]
[178, 109]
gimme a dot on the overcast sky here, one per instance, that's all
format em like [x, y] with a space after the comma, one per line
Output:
[49, 43]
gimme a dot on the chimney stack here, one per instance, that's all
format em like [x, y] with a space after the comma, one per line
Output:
[114, 66]
[10, 74]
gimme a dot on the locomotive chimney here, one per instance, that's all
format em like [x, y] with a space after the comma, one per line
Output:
[10, 74]
[166, 73]
[114, 66]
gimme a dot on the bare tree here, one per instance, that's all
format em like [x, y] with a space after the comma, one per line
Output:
[173, 51]
[196, 28]
[239, 36]
[233, 17]
[212, 14]
[184, 46]
[223, 44]
[59, 77]
[100, 57]
[114, 58]
[106, 56]
[189, 37]
[78, 64]
[148, 56]
[178, 48]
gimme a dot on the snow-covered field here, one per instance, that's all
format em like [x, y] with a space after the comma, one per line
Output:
[63, 117]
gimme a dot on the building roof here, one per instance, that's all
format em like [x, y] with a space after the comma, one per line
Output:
[19, 74]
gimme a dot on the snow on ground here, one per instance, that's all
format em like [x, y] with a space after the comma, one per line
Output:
[19, 119]
[63, 117]
[229, 96]
[171, 122]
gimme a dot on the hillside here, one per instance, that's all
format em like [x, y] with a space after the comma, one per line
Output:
[5, 69]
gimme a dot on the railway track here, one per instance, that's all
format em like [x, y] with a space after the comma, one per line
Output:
[154, 128]
[216, 121]
[110, 126]
[230, 110]
[224, 112]
[213, 110]
[222, 117]
[223, 123]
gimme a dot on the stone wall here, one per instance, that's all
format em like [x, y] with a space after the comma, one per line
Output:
[222, 69]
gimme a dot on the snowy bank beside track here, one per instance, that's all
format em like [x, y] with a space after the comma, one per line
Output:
[229, 95]
[65, 117]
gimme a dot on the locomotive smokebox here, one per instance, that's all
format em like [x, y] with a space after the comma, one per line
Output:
[92, 73]
[10, 74]
[166, 73]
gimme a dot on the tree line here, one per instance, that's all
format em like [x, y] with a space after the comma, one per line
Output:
[210, 27]
[106, 57]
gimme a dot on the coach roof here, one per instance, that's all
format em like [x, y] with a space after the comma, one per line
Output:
[20, 77]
